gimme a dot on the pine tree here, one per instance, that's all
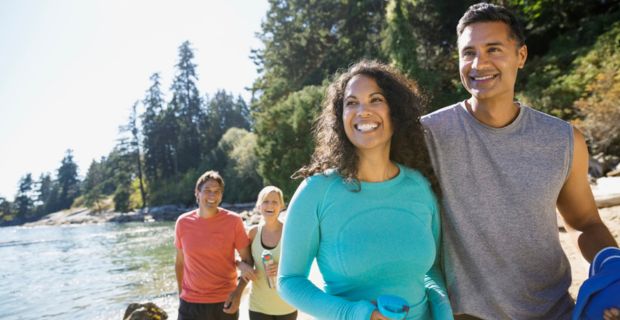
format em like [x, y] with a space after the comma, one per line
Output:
[159, 131]
[68, 182]
[187, 106]
[24, 202]
[133, 148]
[45, 185]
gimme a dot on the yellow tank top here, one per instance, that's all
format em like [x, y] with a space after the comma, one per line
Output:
[262, 298]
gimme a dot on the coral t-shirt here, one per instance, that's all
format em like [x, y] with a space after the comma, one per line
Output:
[208, 245]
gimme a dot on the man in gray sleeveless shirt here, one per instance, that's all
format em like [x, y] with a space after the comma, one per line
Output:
[503, 168]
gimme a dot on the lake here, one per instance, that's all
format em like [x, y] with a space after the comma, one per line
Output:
[86, 271]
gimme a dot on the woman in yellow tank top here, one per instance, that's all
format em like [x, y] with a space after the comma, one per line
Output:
[265, 302]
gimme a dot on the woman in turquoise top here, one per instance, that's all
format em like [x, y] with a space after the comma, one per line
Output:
[366, 210]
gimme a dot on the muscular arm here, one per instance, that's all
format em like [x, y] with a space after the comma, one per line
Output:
[178, 269]
[231, 305]
[577, 207]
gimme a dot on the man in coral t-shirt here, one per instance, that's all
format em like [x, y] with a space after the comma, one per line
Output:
[206, 240]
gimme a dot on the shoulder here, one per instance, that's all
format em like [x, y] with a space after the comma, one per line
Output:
[252, 232]
[230, 216]
[415, 177]
[321, 180]
[419, 183]
[187, 216]
[312, 191]
[547, 119]
[437, 116]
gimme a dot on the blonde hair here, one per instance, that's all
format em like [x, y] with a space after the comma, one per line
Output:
[266, 191]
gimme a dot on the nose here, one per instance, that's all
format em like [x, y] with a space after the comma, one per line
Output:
[478, 61]
[362, 110]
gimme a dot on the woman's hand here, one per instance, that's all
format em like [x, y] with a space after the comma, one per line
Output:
[611, 314]
[272, 270]
[247, 271]
[376, 315]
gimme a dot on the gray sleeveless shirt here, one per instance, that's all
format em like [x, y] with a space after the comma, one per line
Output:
[501, 251]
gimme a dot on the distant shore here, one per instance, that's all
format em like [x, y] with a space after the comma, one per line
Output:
[150, 214]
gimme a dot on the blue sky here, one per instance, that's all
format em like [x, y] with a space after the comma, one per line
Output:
[70, 70]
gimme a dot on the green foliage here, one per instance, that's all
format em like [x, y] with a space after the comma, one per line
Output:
[307, 41]
[597, 105]
[175, 190]
[136, 198]
[189, 114]
[284, 141]
[68, 182]
[420, 40]
[224, 112]
[24, 203]
[550, 82]
[121, 199]
[237, 164]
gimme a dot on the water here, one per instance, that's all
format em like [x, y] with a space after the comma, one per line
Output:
[86, 271]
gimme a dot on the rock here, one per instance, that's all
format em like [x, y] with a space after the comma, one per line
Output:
[607, 192]
[144, 311]
[166, 212]
[615, 172]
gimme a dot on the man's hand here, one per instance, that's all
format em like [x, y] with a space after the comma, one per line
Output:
[611, 314]
[247, 271]
[231, 305]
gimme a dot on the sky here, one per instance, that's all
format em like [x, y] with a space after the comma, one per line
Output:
[70, 70]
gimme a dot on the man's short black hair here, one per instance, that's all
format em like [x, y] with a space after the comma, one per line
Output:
[488, 12]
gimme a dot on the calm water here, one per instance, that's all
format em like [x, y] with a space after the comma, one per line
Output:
[86, 271]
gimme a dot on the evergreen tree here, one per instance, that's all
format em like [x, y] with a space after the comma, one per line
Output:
[68, 182]
[93, 186]
[45, 186]
[420, 40]
[159, 129]
[284, 141]
[24, 200]
[187, 106]
[224, 112]
[307, 41]
[6, 210]
[133, 148]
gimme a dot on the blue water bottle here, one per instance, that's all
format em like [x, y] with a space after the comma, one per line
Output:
[268, 261]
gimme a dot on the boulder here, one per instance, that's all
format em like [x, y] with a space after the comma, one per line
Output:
[144, 311]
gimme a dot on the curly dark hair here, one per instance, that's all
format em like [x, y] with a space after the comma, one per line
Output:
[334, 150]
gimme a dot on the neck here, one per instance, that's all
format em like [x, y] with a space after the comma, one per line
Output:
[496, 114]
[272, 224]
[376, 167]
[207, 212]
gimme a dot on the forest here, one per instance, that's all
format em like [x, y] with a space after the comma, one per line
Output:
[571, 73]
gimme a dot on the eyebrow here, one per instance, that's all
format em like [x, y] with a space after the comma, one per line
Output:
[372, 94]
[489, 44]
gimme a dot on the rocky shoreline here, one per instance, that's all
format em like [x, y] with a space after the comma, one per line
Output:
[149, 214]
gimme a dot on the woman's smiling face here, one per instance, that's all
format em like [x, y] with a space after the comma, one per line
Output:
[271, 205]
[366, 114]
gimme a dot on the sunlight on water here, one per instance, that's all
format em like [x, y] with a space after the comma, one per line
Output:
[87, 271]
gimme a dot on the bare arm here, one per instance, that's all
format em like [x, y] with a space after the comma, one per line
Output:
[178, 269]
[231, 305]
[247, 270]
[577, 207]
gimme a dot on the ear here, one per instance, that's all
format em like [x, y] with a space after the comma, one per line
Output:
[522, 54]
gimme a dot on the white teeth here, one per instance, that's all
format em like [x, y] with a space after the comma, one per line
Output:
[366, 126]
[483, 78]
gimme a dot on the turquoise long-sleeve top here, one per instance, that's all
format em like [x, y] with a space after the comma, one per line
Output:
[382, 239]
